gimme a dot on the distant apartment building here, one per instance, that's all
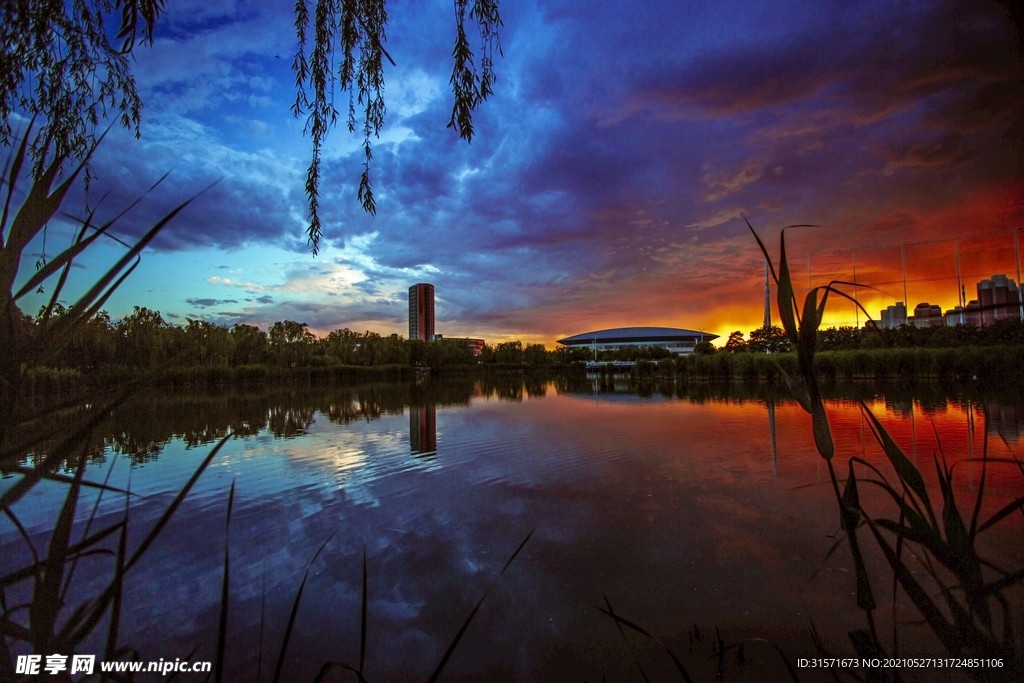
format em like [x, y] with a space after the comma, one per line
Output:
[999, 299]
[927, 315]
[893, 316]
[421, 312]
[475, 345]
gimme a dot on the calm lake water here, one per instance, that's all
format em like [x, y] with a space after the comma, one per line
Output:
[704, 507]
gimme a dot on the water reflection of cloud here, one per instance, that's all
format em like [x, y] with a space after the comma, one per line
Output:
[670, 507]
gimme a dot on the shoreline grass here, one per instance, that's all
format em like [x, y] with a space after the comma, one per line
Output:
[1005, 363]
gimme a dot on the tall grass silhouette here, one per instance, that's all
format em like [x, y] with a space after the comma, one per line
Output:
[965, 588]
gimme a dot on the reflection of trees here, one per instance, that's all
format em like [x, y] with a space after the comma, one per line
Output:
[288, 421]
[535, 387]
[504, 387]
[349, 404]
[142, 427]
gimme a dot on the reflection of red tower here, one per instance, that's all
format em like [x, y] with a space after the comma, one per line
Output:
[421, 312]
[423, 430]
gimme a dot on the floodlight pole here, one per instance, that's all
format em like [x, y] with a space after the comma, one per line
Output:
[856, 307]
[767, 299]
[903, 259]
[960, 283]
[1020, 298]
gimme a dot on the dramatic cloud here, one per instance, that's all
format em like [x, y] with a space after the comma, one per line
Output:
[206, 303]
[610, 172]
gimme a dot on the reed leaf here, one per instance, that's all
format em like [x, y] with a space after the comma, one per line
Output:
[39, 206]
[851, 513]
[789, 664]
[1002, 513]
[117, 586]
[968, 569]
[295, 609]
[981, 489]
[458, 636]
[88, 526]
[15, 170]
[75, 550]
[925, 605]
[222, 627]
[60, 282]
[100, 605]
[1003, 583]
[362, 620]
[60, 453]
[786, 298]
[169, 512]
[21, 530]
[45, 599]
[61, 262]
[85, 483]
[65, 258]
[819, 425]
[622, 621]
[905, 469]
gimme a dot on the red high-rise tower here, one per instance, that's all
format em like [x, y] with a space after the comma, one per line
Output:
[421, 312]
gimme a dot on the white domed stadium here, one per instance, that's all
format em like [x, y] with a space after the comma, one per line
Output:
[676, 340]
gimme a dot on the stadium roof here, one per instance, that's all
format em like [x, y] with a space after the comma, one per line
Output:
[637, 334]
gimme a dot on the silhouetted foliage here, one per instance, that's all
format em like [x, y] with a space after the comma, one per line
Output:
[771, 340]
[736, 343]
[60, 63]
[704, 348]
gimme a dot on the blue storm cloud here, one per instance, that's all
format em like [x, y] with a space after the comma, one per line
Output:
[621, 143]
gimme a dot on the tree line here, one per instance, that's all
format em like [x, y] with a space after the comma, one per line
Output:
[1006, 332]
[143, 340]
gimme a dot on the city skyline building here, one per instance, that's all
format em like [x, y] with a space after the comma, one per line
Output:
[893, 316]
[421, 311]
[475, 345]
[927, 315]
[999, 298]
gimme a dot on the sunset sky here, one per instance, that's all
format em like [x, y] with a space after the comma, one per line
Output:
[607, 179]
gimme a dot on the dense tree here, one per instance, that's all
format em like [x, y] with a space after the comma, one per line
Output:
[736, 342]
[447, 352]
[342, 345]
[206, 344]
[704, 348]
[535, 355]
[770, 340]
[839, 338]
[142, 338]
[250, 345]
[290, 343]
[509, 352]
[93, 344]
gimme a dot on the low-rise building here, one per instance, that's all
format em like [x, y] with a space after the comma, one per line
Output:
[928, 315]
